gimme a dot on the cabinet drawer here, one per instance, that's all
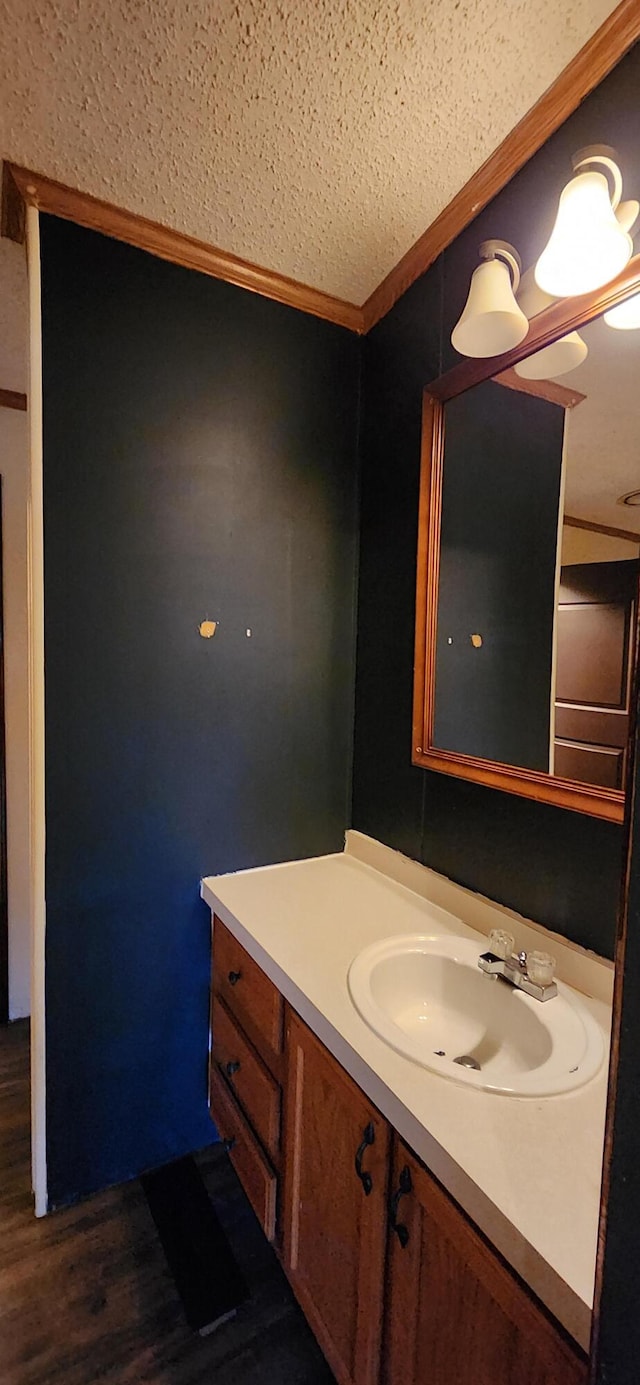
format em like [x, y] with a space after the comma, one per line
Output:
[247, 1076]
[247, 992]
[253, 1169]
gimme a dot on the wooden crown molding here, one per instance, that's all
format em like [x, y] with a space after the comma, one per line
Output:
[628, 534]
[22, 187]
[590, 66]
[12, 399]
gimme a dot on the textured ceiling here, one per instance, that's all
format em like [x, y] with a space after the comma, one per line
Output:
[318, 138]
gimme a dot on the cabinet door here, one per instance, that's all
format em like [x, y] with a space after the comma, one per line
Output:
[334, 1218]
[455, 1314]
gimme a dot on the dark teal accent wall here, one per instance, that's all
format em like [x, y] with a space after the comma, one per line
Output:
[199, 461]
[560, 868]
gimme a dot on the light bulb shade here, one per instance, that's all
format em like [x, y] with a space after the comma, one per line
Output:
[491, 322]
[627, 214]
[587, 246]
[530, 296]
[554, 360]
[626, 316]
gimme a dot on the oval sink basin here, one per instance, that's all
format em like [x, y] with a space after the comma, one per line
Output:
[428, 999]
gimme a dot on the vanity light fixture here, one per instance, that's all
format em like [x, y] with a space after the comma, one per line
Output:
[561, 356]
[590, 241]
[491, 321]
[626, 316]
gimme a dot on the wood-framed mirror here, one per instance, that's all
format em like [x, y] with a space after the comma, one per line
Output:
[527, 576]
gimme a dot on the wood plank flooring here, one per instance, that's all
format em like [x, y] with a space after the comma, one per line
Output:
[86, 1296]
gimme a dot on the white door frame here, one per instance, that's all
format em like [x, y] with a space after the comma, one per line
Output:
[35, 540]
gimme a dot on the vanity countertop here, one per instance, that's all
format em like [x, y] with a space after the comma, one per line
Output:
[526, 1170]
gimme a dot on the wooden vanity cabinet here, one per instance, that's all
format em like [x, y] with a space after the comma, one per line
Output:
[397, 1284]
[249, 995]
[248, 1077]
[245, 1071]
[455, 1314]
[335, 1195]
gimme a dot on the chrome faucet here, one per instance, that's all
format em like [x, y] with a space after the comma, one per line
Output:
[529, 972]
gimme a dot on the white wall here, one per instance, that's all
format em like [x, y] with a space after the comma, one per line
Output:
[14, 463]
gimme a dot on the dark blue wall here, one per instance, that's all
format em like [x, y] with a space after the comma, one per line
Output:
[200, 460]
[558, 867]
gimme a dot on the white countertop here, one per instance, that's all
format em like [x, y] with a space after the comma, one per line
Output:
[527, 1171]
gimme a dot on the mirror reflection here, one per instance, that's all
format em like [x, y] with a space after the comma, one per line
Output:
[538, 566]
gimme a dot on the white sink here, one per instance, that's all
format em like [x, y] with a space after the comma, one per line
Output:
[427, 998]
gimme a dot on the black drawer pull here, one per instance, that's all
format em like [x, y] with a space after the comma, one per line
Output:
[234, 977]
[230, 1068]
[229, 1144]
[405, 1186]
[367, 1139]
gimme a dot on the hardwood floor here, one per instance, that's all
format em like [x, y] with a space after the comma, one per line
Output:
[86, 1296]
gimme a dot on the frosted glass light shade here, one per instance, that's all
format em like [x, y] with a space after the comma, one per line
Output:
[626, 316]
[554, 360]
[491, 322]
[561, 356]
[587, 246]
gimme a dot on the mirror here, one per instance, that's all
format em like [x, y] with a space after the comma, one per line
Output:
[528, 562]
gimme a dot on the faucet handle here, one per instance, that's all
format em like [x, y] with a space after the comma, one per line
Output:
[541, 968]
[501, 944]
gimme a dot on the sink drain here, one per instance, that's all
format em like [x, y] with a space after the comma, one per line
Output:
[465, 1061]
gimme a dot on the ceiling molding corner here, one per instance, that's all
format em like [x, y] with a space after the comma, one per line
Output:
[590, 66]
[22, 187]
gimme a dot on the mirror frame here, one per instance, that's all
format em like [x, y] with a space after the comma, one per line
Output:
[567, 315]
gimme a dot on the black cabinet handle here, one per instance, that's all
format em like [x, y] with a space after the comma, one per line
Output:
[405, 1185]
[228, 1145]
[234, 977]
[367, 1139]
[230, 1068]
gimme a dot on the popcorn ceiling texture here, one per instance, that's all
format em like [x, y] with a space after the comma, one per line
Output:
[318, 138]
